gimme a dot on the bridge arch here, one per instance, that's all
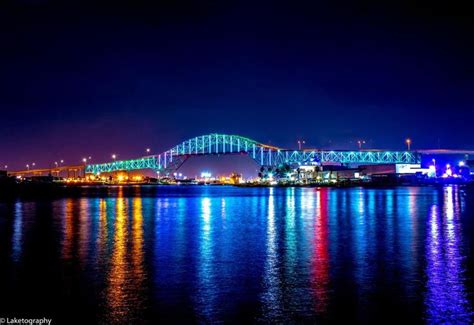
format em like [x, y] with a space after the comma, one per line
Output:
[172, 159]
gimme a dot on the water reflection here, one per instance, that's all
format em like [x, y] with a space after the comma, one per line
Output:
[206, 291]
[271, 296]
[84, 230]
[116, 296]
[102, 236]
[361, 246]
[390, 221]
[125, 293]
[68, 230]
[408, 241]
[17, 232]
[137, 244]
[320, 260]
[446, 300]
[273, 255]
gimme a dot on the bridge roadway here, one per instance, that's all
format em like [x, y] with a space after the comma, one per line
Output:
[265, 155]
[65, 171]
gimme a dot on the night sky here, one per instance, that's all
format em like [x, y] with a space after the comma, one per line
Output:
[84, 79]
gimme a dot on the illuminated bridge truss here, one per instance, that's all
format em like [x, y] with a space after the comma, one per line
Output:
[264, 155]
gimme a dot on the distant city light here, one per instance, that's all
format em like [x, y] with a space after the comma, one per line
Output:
[432, 171]
[206, 175]
[449, 172]
[461, 164]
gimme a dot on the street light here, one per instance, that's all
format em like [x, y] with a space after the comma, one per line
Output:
[114, 156]
[6, 166]
[360, 143]
[28, 166]
[408, 142]
[300, 144]
[147, 150]
[84, 160]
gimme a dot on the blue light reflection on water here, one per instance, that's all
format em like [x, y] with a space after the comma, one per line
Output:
[446, 297]
[267, 254]
[17, 232]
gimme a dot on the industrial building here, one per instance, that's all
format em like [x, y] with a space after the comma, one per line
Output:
[338, 172]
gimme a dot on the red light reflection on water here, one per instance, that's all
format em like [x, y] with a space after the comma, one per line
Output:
[320, 259]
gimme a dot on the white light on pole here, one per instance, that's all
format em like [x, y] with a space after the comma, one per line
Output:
[360, 143]
[300, 144]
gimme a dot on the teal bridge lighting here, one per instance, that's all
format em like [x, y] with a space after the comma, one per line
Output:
[265, 155]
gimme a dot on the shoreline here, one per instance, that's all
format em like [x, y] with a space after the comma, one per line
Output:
[42, 190]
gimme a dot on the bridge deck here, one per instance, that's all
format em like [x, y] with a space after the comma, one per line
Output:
[48, 171]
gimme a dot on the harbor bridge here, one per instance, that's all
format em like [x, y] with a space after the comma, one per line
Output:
[265, 155]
